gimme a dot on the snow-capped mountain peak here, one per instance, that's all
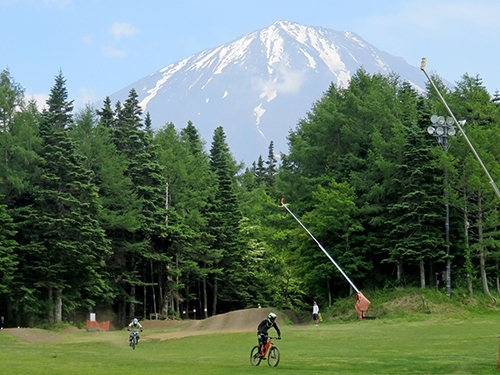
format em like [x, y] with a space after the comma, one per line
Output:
[259, 85]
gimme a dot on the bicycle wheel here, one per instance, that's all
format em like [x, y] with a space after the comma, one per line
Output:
[254, 356]
[132, 342]
[273, 357]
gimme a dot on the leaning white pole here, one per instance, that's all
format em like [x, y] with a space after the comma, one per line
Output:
[492, 182]
[321, 247]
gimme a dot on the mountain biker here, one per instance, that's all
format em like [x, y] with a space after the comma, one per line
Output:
[134, 326]
[263, 329]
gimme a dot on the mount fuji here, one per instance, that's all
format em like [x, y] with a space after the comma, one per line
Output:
[260, 85]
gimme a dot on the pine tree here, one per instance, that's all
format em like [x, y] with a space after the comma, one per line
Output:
[19, 143]
[8, 258]
[225, 217]
[134, 141]
[120, 211]
[271, 167]
[68, 246]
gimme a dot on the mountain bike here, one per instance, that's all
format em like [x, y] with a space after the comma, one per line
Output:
[133, 339]
[270, 350]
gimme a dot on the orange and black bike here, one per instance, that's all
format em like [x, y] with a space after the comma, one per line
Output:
[270, 350]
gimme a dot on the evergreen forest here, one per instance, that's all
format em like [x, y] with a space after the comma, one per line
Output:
[100, 211]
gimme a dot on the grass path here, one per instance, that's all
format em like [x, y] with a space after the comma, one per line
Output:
[454, 346]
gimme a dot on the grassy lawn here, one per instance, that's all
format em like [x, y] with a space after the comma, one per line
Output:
[447, 346]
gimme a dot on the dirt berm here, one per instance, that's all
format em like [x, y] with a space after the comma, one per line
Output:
[235, 321]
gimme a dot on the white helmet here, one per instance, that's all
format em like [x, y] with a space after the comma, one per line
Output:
[135, 321]
[272, 316]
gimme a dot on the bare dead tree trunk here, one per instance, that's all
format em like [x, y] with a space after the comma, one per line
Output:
[214, 306]
[153, 286]
[160, 288]
[482, 260]
[205, 306]
[58, 306]
[132, 290]
[176, 300]
[422, 274]
[166, 301]
[329, 294]
[50, 295]
[144, 303]
[132, 304]
[399, 271]
[186, 291]
[468, 262]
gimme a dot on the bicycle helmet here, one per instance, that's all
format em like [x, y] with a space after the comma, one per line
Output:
[272, 316]
[135, 321]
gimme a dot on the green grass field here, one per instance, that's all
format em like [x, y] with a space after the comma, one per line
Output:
[447, 346]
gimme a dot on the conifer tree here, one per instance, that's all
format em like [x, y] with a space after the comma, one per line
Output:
[134, 140]
[19, 143]
[225, 218]
[68, 246]
[8, 257]
[271, 167]
[478, 200]
[120, 207]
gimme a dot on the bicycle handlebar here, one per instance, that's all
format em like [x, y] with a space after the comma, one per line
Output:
[275, 338]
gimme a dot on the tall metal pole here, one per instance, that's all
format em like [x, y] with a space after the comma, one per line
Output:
[422, 67]
[441, 129]
[321, 247]
[492, 182]
[447, 221]
[447, 229]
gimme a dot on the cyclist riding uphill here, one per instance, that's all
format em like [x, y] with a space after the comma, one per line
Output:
[134, 326]
[263, 329]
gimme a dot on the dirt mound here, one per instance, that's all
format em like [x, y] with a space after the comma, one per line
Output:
[297, 318]
[235, 321]
[34, 335]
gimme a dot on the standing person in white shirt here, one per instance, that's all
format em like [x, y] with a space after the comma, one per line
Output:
[315, 313]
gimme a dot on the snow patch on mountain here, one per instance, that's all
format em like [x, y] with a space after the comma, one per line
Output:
[258, 86]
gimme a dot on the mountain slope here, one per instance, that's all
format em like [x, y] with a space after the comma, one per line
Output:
[258, 86]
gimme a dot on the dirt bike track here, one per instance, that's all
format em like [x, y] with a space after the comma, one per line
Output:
[236, 321]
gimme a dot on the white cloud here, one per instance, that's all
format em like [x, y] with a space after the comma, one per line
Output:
[88, 39]
[123, 29]
[113, 52]
[446, 17]
[87, 96]
[40, 99]
[286, 80]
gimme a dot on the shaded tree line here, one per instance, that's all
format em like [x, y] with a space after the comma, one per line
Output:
[99, 212]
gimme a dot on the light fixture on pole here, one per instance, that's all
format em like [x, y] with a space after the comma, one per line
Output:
[442, 128]
[459, 124]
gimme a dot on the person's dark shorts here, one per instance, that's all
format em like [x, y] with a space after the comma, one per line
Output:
[315, 316]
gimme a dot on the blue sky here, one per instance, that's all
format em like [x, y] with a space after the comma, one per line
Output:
[101, 46]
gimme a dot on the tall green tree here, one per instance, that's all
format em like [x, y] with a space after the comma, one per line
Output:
[228, 251]
[479, 202]
[92, 132]
[335, 222]
[19, 143]
[66, 253]
[8, 258]
[133, 138]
